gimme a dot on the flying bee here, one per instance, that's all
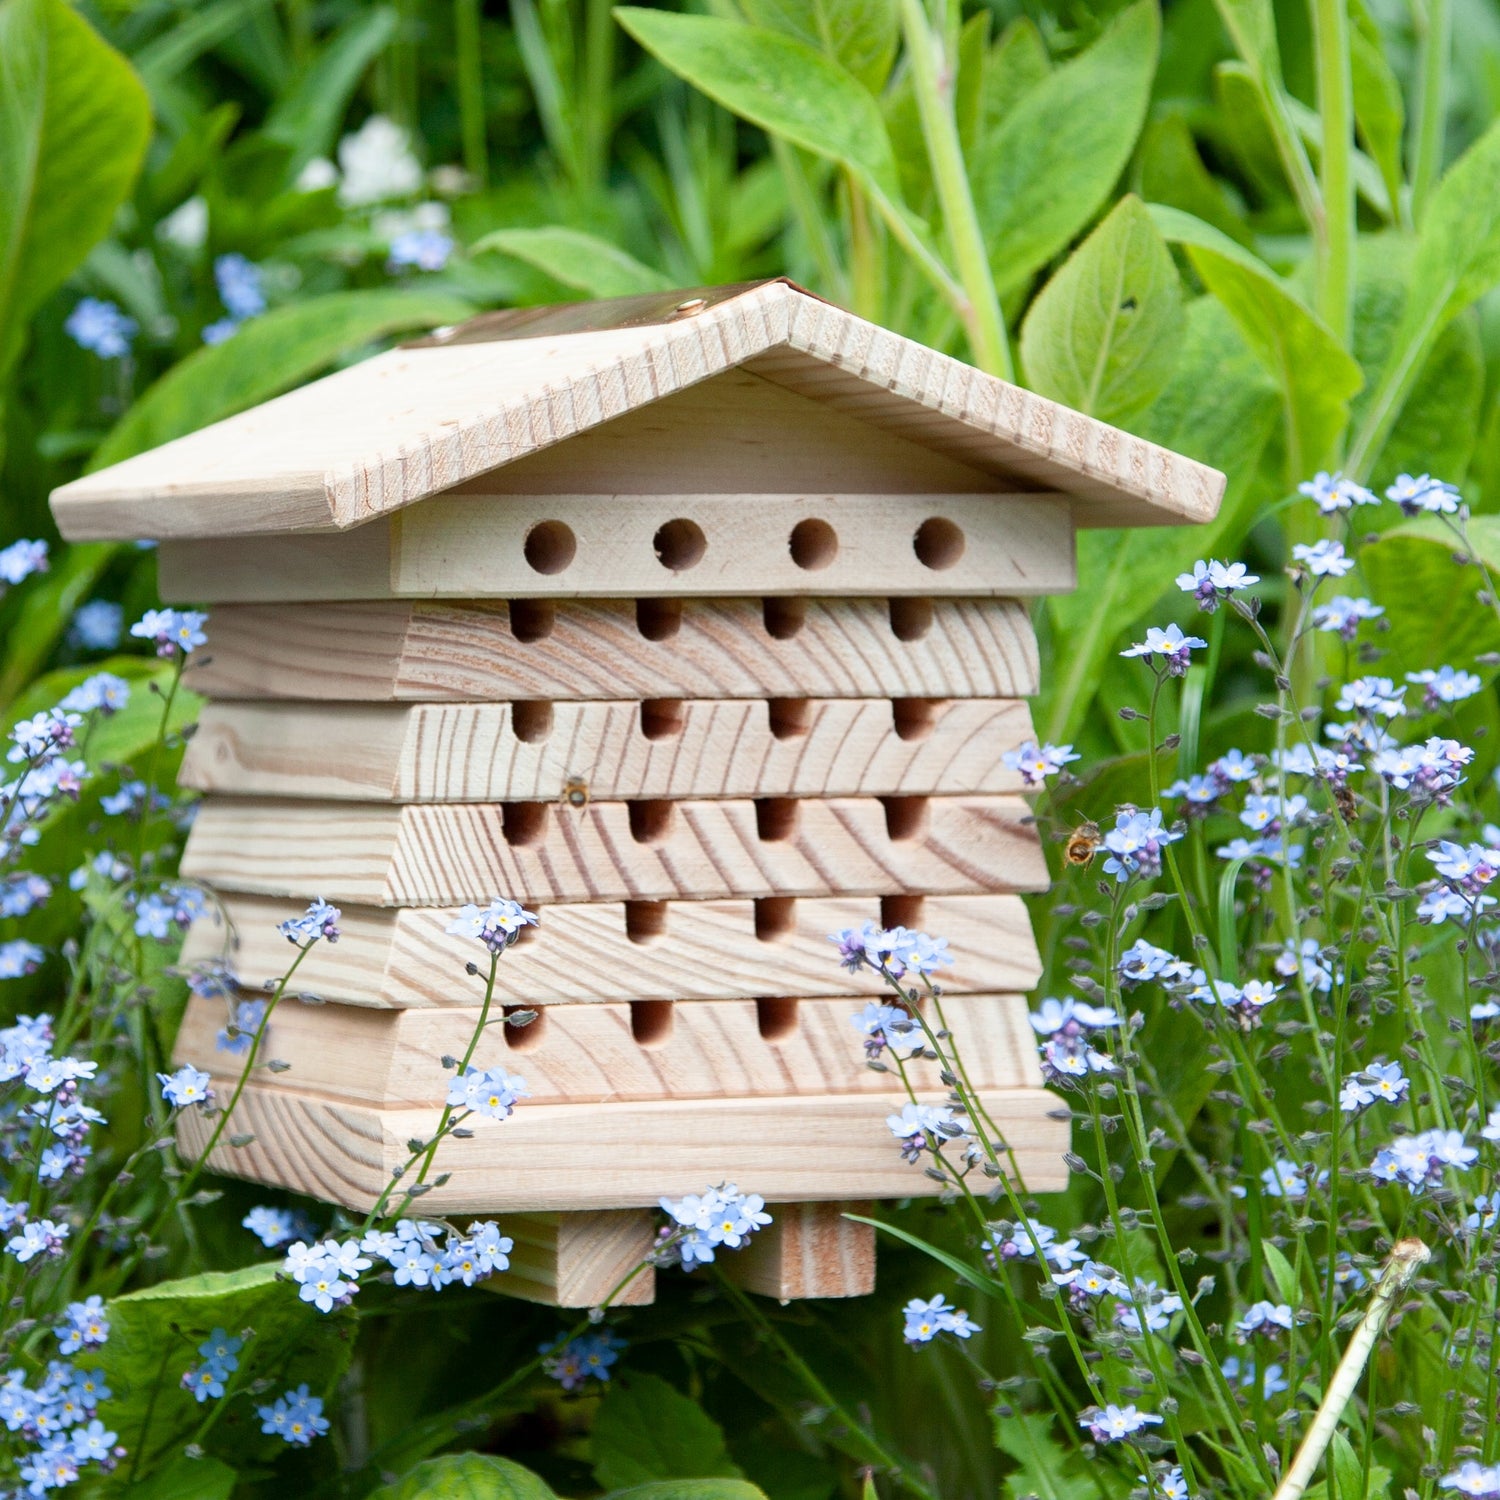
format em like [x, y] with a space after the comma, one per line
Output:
[1082, 845]
[575, 793]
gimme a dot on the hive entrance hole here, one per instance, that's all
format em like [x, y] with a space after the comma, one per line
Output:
[651, 821]
[777, 1019]
[661, 718]
[789, 717]
[901, 911]
[938, 543]
[783, 617]
[524, 823]
[776, 818]
[645, 921]
[914, 718]
[658, 619]
[679, 544]
[532, 619]
[522, 1038]
[911, 619]
[814, 544]
[531, 722]
[550, 547]
[775, 918]
[905, 817]
[651, 1022]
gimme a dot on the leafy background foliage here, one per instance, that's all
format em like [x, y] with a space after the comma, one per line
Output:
[1147, 212]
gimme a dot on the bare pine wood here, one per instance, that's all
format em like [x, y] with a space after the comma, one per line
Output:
[607, 649]
[627, 546]
[474, 752]
[628, 1155]
[381, 854]
[405, 425]
[676, 950]
[579, 1259]
[612, 1051]
[807, 1250]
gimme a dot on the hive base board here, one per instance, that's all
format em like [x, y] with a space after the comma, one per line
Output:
[608, 649]
[498, 752]
[658, 1049]
[645, 950]
[383, 854]
[568, 1157]
[579, 1259]
[807, 1250]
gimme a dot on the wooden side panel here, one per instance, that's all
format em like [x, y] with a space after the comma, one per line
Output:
[607, 1052]
[678, 950]
[808, 1250]
[672, 545]
[613, 649]
[581, 1156]
[384, 855]
[577, 1260]
[475, 752]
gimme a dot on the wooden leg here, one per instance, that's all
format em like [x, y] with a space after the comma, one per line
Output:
[808, 1250]
[578, 1259]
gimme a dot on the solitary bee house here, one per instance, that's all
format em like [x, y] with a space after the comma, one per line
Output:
[697, 623]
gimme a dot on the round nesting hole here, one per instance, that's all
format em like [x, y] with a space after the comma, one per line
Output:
[776, 1018]
[524, 823]
[651, 1022]
[531, 619]
[550, 547]
[783, 617]
[522, 1035]
[813, 544]
[939, 543]
[531, 722]
[680, 544]
[658, 619]
[911, 619]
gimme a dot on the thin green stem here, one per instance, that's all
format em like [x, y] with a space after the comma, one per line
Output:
[1432, 103]
[1335, 263]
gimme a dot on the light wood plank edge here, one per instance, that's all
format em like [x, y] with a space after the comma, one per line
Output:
[579, 1259]
[574, 1157]
[807, 1250]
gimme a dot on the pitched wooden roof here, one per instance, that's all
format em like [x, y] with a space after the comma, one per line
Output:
[417, 420]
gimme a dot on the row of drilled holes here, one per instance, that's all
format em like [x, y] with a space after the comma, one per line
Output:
[524, 824]
[661, 619]
[651, 1022]
[680, 545]
[789, 718]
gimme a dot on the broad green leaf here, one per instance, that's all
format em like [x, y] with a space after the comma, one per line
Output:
[155, 1333]
[1354, 1481]
[1047, 168]
[859, 35]
[648, 1430]
[691, 1489]
[578, 260]
[776, 82]
[1105, 332]
[1045, 1469]
[1283, 1277]
[202, 28]
[1379, 112]
[1240, 121]
[1219, 408]
[467, 1476]
[1251, 25]
[308, 115]
[1017, 63]
[1457, 260]
[1172, 172]
[74, 122]
[1430, 604]
[1315, 375]
[268, 355]
[186, 1479]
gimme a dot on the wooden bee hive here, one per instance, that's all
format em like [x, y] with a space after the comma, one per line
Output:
[695, 623]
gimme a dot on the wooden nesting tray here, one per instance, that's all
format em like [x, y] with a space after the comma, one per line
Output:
[639, 950]
[587, 1156]
[509, 546]
[384, 854]
[503, 752]
[613, 1051]
[608, 649]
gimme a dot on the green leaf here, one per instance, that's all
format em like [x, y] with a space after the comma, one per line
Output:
[1379, 113]
[776, 82]
[268, 355]
[1430, 603]
[859, 35]
[187, 1479]
[154, 1334]
[1353, 1481]
[74, 122]
[1282, 1274]
[1106, 331]
[1045, 1468]
[1251, 25]
[647, 1430]
[307, 116]
[1219, 408]
[581, 261]
[690, 1489]
[1047, 168]
[1017, 63]
[965, 1272]
[467, 1476]
[1172, 172]
[46, 612]
[1314, 373]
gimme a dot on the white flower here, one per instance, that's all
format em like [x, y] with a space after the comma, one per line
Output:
[378, 164]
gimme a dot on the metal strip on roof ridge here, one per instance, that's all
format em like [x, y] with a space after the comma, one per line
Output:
[653, 309]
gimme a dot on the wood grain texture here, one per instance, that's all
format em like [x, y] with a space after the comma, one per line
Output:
[694, 1049]
[807, 1250]
[628, 546]
[626, 1155]
[474, 752]
[577, 1260]
[407, 424]
[600, 650]
[683, 950]
[381, 854]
